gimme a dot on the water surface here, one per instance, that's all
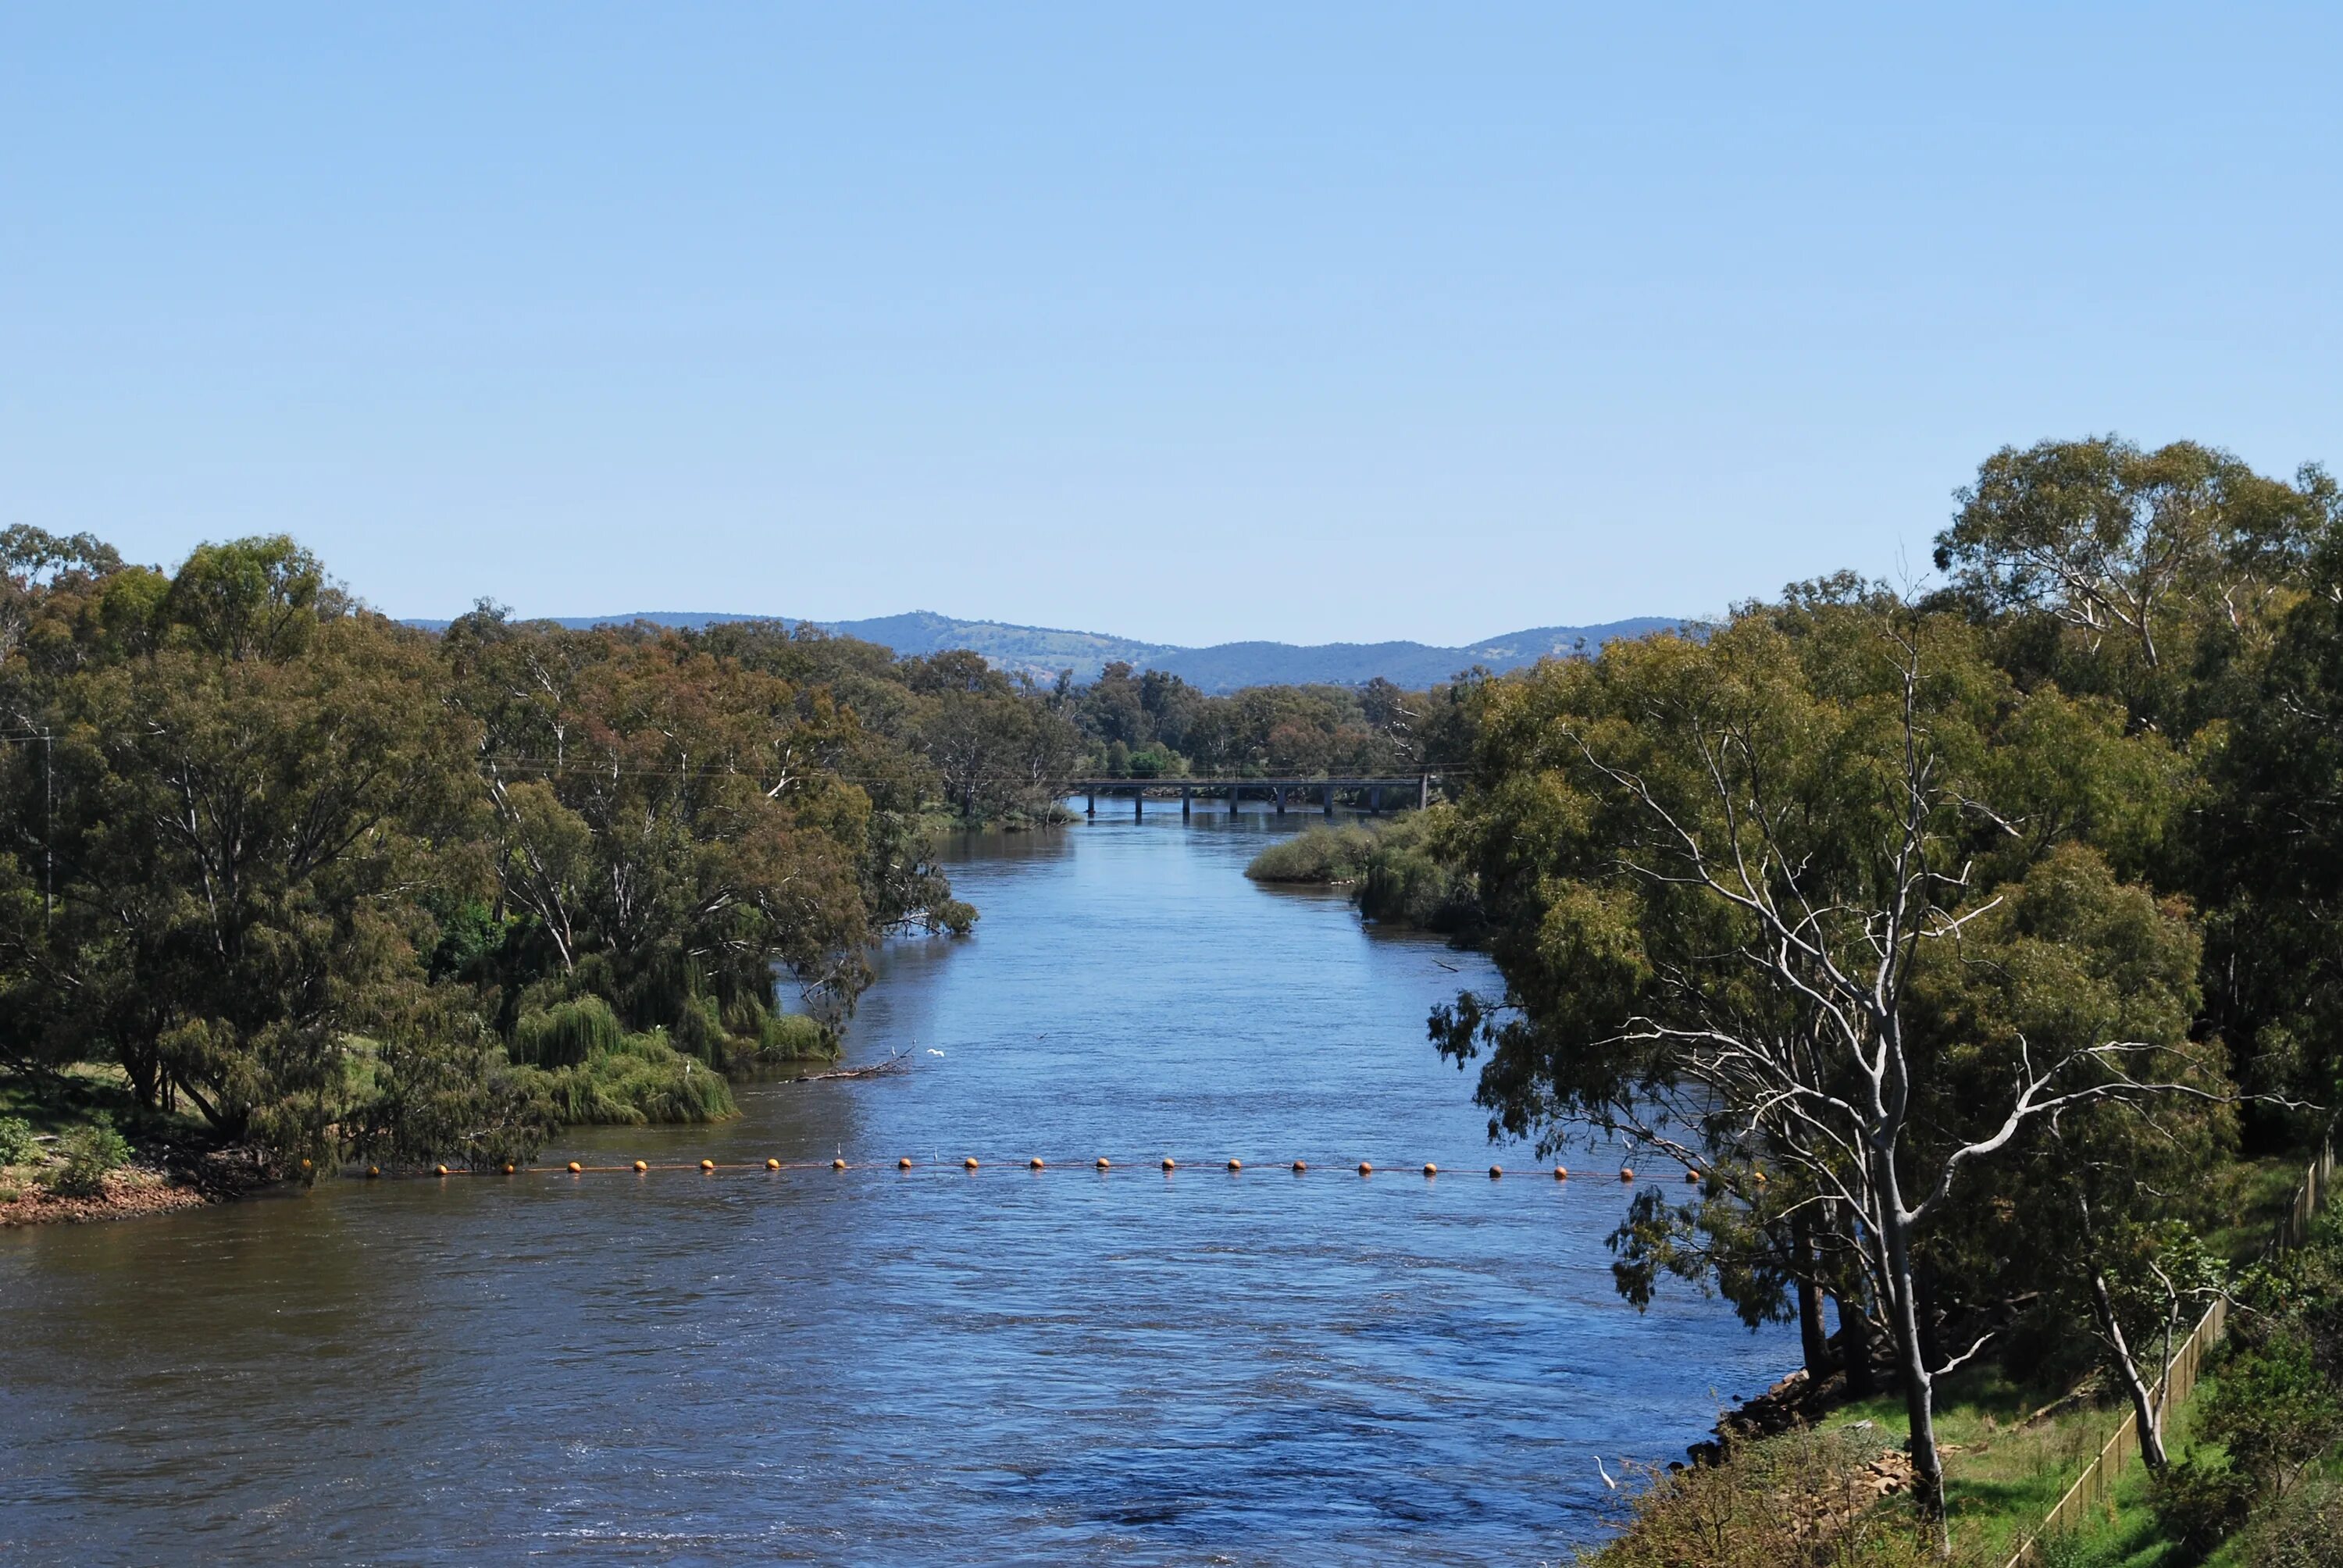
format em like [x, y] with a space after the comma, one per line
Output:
[1060, 1367]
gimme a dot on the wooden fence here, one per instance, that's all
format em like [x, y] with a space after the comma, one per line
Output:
[2097, 1482]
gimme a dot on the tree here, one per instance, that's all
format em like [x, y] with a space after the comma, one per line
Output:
[666, 826]
[2147, 558]
[1715, 872]
[998, 749]
[239, 816]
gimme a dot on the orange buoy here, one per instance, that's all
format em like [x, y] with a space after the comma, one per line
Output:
[1365, 1169]
[1034, 1163]
[1626, 1174]
[509, 1170]
[1691, 1175]
[1495, 1172]
[1104, 1163]
[442, 1169]
[969, 1163]
[373, 1171]
[1169, 1163]
[772, 1165]
[641, 1166]
[904, 1164]
[1562, 1172]
[575, 1168]
[305, 1165]
[1299, 1166]
[1430, 1169]
[1236, 1164]
[834, 1165]
[1757, 1176]
[707, 1165]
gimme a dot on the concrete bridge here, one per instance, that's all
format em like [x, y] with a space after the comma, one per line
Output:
[1373, 793]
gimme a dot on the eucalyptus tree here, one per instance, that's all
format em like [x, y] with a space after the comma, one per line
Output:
[1731, 883]
[2160, 567]
[669, 829]
[243, 788]
[999, 748]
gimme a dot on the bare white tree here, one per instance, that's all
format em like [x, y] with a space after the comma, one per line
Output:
[1805, 1056]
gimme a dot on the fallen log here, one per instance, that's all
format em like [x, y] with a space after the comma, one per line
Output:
[894, 1062]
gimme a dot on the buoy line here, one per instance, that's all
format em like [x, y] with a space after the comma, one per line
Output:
[1034, 1165]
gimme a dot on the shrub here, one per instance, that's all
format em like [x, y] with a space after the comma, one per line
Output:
[90, 1152]
[566, 1033]
[2196, 1505]
[699, 1032]
[1409, 881]
[1404, 879]
[2301, 1530]
[1316, 854]
[792, 1036]
[644, 1078]
[16, 1145]
[2273, 1409]
[1805, 1500]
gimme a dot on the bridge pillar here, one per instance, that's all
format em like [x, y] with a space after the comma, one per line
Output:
[1281, 800]
[1374, 799]
[1139, 804]
[1187, 802]
[1326, 799]
[1090, 803]
[1422, 791]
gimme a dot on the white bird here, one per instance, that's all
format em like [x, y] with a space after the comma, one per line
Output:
[933, 1052]
[1605, 1474]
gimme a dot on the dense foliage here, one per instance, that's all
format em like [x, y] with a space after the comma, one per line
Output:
[1403, 870]
[1954, 940]
[1158, 725]
[2273, 1416]
[329, 886]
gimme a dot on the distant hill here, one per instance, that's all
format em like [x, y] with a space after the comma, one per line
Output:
[1230, 666]
[1042, 651]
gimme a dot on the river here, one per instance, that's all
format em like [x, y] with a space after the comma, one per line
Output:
[1062, 1366]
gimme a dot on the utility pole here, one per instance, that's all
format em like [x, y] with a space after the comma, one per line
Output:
[48, 826]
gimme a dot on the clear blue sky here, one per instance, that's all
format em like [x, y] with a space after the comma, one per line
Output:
[1189, 322]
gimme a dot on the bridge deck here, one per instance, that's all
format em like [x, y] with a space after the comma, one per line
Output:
[1367, 787]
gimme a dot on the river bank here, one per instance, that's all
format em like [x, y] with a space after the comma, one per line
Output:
[130, 1193]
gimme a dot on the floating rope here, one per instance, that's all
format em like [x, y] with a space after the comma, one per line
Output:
[906, 1164]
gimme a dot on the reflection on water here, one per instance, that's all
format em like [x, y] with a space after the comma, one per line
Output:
[1062, 1366]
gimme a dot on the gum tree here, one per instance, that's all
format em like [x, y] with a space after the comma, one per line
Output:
[1716, 872]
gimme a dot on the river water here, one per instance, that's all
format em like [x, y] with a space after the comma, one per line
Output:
[1062, 1366]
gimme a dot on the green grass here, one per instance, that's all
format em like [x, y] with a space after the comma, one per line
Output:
[2002, 1472]
[2124, 1533]
[2259, 1194]
[76, 1093]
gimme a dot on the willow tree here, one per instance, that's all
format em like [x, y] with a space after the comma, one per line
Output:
[1718, 872]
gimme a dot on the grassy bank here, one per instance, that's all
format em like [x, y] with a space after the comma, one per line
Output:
[2257, 1447]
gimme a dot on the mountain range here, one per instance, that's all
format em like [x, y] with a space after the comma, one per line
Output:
[1042, 651]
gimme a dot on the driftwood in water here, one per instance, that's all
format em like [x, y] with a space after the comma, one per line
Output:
[893, 1064]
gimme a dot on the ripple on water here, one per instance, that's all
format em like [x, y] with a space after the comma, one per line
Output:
[1063, 1366]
